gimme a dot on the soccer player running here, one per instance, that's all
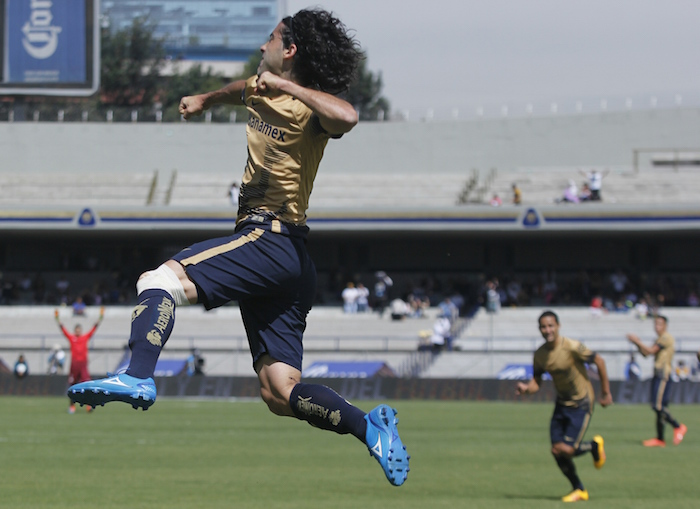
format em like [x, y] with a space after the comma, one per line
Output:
[564, 359]
[662, 350]
[78, 353]
[293, 110]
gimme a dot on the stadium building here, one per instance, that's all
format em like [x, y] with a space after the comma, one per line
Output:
[98, 203]
[203, 30]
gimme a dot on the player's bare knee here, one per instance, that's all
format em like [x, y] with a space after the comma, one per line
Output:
[562, 450]
[274, 402]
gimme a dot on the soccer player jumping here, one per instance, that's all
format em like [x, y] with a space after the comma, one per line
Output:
[564, 359]
[293, 110]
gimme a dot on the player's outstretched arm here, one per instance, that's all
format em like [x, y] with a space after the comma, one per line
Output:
[58, 320]
[102, 316]
[643, 349]
[194, 105]
[337, 116]
[605, 398]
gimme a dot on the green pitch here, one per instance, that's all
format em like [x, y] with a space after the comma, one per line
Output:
[215, 454]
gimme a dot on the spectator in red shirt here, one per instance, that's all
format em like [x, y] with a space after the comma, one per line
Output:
[79, 353]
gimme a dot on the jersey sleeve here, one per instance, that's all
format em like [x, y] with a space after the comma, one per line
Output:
[249, 89]
[664, 341]
[582, 351]
[537, 367]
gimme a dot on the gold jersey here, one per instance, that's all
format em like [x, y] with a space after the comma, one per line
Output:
[565, 363]
[664, 357]
[285, 146]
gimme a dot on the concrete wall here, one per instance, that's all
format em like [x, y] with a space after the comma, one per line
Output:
[391, 147]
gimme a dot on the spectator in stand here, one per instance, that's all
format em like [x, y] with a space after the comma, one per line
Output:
[633, 371]
[513, 292]
[641, 309]
[449, 309]
[570, 194]
[418, 305]
[381, 291]
[595, 182]
[682, 371]
[585, 194]
[362, 298]
[195, 363]
[62, 285]
[493, 299]
[399, 309]
[496, 201]
[441, 336]
[56, 360]
[79, 307]
[517, 195]
[619, 281]
[233, 193]
[21, 368]
[349, 296]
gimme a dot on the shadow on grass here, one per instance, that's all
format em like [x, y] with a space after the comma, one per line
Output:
[529, 497]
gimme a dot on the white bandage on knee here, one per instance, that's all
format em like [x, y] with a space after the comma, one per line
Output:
[163, 278]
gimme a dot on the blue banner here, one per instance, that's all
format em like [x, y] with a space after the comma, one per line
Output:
[348, 369]
[46, 42]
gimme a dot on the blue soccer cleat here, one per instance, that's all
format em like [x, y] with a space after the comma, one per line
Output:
[385, 445]
[138, 392]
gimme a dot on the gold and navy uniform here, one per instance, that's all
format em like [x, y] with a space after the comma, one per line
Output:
[575, 395]
[264, 265]
[285, 146]
[661, 382]
[663, 359]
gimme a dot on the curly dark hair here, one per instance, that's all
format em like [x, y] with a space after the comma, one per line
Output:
[327, 57]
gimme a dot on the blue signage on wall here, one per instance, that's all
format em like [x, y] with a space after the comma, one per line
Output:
[49, 47]
[46, 41]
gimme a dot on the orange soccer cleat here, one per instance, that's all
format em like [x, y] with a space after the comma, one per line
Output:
[679, 433]
[654, 442]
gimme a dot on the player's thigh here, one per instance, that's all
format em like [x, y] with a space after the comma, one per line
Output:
[557, 425]
[275, 326]
[253, 262]
[569, 424]
[660, 393]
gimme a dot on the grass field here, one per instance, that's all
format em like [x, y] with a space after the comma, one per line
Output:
[219, 454]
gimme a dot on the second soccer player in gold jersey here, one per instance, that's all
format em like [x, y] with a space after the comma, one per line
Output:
[565, 360]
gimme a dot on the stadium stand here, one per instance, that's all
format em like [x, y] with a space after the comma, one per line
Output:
[622, 185]
[75, 189]
[438, 164]
[539, 186]
[485, 347]
[392, 166]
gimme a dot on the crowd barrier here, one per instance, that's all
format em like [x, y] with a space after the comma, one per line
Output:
[357, 389]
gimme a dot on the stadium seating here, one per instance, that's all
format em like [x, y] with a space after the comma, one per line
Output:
[489, 343]
[403, 165]
[75, 189]
[409, 191]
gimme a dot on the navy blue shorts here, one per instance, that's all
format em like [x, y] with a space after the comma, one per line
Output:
[660, 392]
[569, 424]
[266, 268]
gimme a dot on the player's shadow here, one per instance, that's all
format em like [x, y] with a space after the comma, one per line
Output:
[529, 497]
